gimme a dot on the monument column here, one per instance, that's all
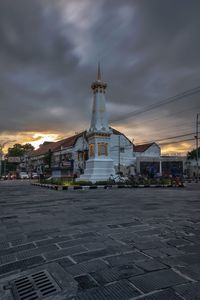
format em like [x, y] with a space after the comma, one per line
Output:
[100, 166]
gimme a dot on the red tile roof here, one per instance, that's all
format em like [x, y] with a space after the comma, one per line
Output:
[142, 148]
[56, 146]
[115, 131]
[68, 142]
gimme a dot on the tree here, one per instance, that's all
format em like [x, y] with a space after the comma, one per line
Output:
[28, 147]
[16, 150]
[47, 158]
[193, 154]
[19, 150]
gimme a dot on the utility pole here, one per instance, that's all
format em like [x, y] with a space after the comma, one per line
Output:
[197, 146]
[1, 156]
[4, 172]
[119, 158]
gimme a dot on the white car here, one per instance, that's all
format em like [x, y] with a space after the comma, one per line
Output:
[34, 175]
[23, 175]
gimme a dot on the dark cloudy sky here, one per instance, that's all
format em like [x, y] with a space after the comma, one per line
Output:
[149, 50]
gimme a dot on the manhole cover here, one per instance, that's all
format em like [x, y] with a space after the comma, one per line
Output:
[34, 287]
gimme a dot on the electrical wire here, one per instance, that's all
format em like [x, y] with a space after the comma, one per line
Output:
[169, 138]
[181, 141]
[166, 101]
[179, 129]
[166, 116]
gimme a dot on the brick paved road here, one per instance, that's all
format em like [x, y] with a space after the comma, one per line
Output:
[113, 244]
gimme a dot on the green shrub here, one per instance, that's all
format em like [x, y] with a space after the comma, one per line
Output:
[67, 183]
[146, 181]
[154, 181]
[56, 181]
[105, 182]
[82, 182]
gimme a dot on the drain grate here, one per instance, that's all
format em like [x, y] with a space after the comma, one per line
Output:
[34, 287]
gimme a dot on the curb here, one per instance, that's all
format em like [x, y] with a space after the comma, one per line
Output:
[77, 187]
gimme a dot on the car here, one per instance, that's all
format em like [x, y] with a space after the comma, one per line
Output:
[23, 175]
[4, 177]
[34, 175]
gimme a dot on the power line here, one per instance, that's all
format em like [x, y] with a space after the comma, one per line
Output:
[169, 115]
[181, 141]
[159, 103]
[169, 138]
[177, 132]
[187, 125]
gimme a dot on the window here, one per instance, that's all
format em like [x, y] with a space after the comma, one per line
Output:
[122, 150]
[80, 156]
[91, 150]
[85, 155]
[102, 149]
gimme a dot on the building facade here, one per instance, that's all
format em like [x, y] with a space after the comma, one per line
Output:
[68, 156]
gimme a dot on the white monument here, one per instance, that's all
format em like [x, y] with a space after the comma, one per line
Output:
[99, 166]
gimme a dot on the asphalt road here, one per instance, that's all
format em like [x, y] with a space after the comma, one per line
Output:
[99, 244]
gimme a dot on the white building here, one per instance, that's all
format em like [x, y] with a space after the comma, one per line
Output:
[69, 155]
[192, 168]
[147, 150]
[149, 155]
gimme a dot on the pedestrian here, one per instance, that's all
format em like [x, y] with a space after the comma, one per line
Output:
[74, 177]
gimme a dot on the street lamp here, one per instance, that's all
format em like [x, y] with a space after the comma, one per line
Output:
[197, 146]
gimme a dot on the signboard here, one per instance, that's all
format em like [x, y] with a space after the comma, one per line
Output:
[14, 159]
[66, 163]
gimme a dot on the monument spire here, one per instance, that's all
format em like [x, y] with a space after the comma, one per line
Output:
[99, 120]
[99, 72]
[99, 166]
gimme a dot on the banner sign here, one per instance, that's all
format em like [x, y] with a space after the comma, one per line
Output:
[14, 159]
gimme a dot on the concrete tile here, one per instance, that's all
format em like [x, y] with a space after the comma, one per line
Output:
[107, 275]
[22, 264]
[85, 282]
[117, 291]
[91, 255]
[64, 252]
[85, 267]
[190, 291]
[163, 295]
[157, 280]
[151, 265]
[126, 259]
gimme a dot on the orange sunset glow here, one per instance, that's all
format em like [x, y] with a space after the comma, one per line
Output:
[38, 138]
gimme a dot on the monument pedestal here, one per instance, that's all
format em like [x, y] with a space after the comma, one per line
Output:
[98, 169]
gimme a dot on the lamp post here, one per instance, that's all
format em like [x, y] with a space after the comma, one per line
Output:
[197, 146]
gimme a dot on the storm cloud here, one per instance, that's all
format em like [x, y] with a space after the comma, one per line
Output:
[149, 50]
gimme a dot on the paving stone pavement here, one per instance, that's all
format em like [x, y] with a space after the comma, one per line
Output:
[114, 244]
